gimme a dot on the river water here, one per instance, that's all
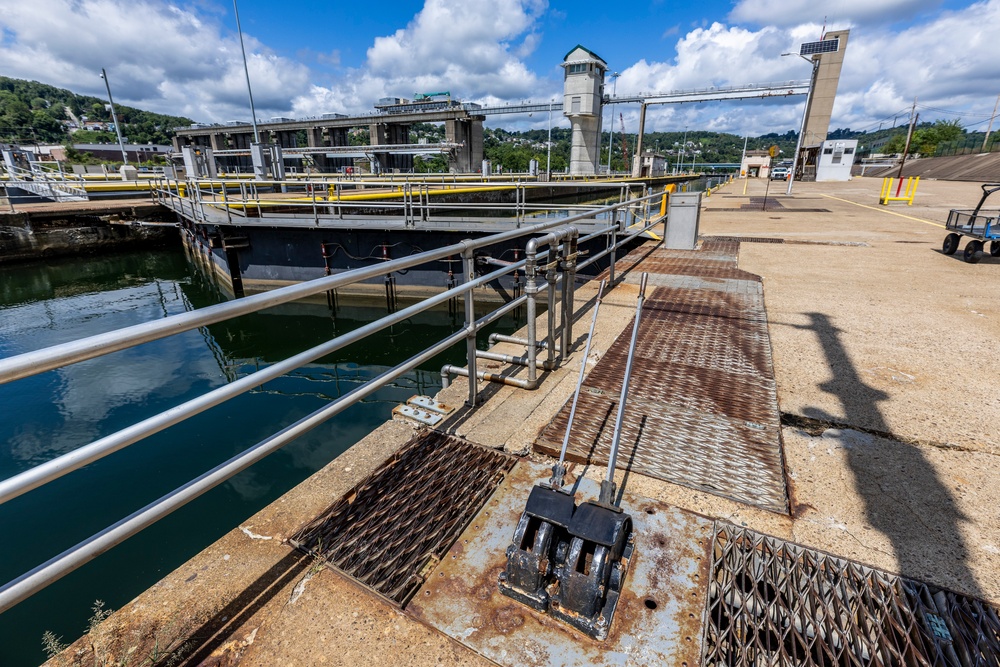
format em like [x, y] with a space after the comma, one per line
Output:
[53, 413]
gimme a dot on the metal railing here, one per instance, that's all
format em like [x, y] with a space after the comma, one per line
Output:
[318, 202]
[45, 184]
[558, 263]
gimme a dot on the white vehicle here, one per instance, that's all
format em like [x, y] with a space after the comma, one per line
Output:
[779, 173]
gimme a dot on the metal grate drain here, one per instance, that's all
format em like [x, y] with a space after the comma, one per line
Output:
[775, 603]
[749, 239]
[392, 528]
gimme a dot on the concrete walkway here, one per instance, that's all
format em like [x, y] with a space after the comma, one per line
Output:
[884, 354]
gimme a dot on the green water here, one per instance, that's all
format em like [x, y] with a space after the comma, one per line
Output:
[53, 413]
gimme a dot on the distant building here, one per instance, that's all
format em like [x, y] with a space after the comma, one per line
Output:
[756, 164]
[829, 161]
[135, 152]
[649, 163]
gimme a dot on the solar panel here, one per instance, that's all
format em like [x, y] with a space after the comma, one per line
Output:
[825, 46]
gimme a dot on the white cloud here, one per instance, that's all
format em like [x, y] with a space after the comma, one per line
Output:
[471, 48]
[185, 61]
[795, 12]
[943, 61]
[158, 56]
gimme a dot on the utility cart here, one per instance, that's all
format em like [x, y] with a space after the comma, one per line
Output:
[979, 225]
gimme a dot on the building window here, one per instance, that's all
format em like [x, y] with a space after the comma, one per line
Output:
[848, 151]
[827, 151]
[575, 105]
[578, 68]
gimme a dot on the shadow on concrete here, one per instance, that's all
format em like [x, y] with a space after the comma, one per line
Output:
[903, 496]
[218, 630]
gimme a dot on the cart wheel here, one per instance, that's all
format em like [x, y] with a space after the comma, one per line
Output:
[995, 248]
[950, 244]
[973, 252]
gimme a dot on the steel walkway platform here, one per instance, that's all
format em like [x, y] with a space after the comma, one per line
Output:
[702, 408]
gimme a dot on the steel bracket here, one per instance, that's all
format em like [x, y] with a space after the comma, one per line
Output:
[591, 577]
[541, 541]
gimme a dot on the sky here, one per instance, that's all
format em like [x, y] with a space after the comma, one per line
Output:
[307, 58]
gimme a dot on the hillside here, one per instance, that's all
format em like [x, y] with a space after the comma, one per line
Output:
[35, 112]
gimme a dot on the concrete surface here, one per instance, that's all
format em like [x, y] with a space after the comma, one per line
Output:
[884, 356]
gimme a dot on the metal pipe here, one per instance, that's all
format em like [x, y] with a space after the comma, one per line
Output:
[54, 569]
[559, 469]
[569, 291]
[502, 338]
[32, 478]
[510, 359]
[39, 361]
[469, 263]
[608, 485]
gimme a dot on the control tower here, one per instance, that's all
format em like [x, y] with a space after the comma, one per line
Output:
[583, 92]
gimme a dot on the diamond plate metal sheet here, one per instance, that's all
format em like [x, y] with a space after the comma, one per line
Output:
[390, 529]
[776, 603]
[702, 408]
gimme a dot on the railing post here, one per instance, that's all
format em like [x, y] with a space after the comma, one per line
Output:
[531, 291]
[469, 264]
[569, 289]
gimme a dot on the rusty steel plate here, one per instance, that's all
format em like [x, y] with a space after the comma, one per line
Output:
[387, 531]
[775, 603]
[660, 613]
[702, 409]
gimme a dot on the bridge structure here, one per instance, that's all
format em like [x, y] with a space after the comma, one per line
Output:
[327, 138]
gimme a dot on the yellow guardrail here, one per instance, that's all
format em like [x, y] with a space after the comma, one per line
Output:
[886, 195]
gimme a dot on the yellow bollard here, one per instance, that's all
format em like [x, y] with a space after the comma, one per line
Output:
[663, 204]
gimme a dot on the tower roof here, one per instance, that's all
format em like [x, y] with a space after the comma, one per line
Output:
[579, 47]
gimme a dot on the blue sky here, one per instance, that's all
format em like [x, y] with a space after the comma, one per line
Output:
[308, 58]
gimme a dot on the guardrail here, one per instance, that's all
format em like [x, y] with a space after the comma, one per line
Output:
[558, 264]
[239, 202]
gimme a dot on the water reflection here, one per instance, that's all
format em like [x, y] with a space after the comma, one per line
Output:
[56, 412]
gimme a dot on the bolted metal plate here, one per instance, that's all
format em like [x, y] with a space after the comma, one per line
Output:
[390, 529]
[702, 409]
[660, 612]
[776, 603]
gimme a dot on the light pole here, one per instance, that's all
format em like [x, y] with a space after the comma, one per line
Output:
[611, 137]
[683, 150]
[246, 70]
[114, 117]
[548, 148]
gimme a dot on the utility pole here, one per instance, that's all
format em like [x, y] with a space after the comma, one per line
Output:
[989, 128]
[611, 139]
[246, 70]
[548, 149]
[906, 150]
[743, 158]
[114, 117]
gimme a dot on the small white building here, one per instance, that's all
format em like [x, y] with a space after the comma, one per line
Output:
[756, 164]
[830, 161]
[649, 164]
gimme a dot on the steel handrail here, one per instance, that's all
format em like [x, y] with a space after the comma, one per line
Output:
[32, 363]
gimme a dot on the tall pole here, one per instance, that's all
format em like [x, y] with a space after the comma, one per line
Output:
[548, 148]
[246, 70]
[906, 149]
[114, 117]
[989, 128]
[802, 128]
[743, 158]
[683, 150]
[611, 139]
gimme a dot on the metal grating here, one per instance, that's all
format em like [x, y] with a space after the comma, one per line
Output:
[702, 408]
[750, 239]
[776, 603]
[390, 529]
